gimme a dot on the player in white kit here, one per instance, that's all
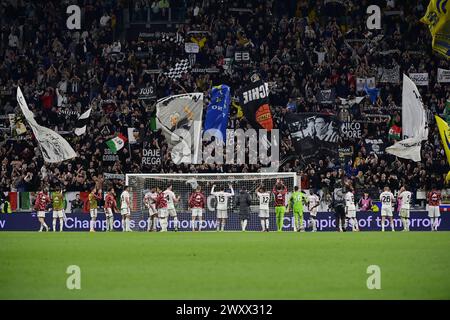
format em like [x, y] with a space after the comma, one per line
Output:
[264, 199]
[150, 204]
[350, 209]
[171, 199]
[313, 206]
[125, 206]
[387, 201]
[222, 205]
[405, 204]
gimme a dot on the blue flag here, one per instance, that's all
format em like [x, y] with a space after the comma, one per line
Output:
[373, 93]
[218, 110]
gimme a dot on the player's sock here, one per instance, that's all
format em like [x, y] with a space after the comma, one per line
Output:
[149, 223]
[123, 225]
[61, 224]
[432, 224]
[218, 225]
[175, 223]
[392, 225]
[155, 223]
[42, 226]
[263, 224]
[267, 224]
[222, 227]
[127, 224]
[111, 223]
[407, 224]
[200, 224]
[54, 224]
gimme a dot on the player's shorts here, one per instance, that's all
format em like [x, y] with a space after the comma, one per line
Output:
[350, 212]
[125, 211]
[433, 212]
[152, 211]
[222, 214]
[264, 213]
[93, 213]
[197, 212]
[172, 212]
[108, 212]
[386, 212]
[313, 212]
[58, 214]
[41, 214]
[163, 212]
[404, 213]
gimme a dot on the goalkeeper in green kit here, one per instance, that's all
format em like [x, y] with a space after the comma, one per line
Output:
[296, 202]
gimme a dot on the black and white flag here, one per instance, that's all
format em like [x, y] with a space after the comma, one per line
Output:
[82, 123]
[386, 75]
[180, 67]
[177, 38]
[326, 96]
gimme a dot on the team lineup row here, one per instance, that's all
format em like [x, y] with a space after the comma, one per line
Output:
[161, 206]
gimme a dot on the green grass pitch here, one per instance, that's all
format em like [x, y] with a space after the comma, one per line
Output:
[233, 265]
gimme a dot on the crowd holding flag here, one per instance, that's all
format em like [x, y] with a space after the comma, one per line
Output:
[179, 69]
[444, 131]
[255, 104]
[116, 143]
[54, 148]
[181, 111]
[82, 123]
[414, 123]
[373, 93]
[218, 110]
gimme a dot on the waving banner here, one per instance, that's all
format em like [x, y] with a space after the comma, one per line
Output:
[54, 148]
[179, 117]
[420, 79]
[414, 123]
[314, 134]
[218, 110]
[255, 104]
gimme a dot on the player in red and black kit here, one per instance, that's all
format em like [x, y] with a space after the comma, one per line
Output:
[197, 202]
[279, 191]
[40, 205]
[161, 206]
[434, 201]
[110, 208]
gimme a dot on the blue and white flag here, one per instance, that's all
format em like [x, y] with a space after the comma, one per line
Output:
[373, 93]
[218, 110]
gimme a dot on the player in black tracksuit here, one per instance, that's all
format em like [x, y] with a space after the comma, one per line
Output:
[339, 207]
[243, 201]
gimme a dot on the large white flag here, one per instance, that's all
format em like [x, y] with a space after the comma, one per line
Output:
[406, 149]
[54, 148]
[414, 123]
[180, 119]
[414, 117]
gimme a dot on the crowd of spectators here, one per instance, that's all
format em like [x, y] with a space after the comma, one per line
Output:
[299, 47]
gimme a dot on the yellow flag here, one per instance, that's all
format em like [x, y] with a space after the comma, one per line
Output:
[444, 131]
[437, 18]
[240, 113]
